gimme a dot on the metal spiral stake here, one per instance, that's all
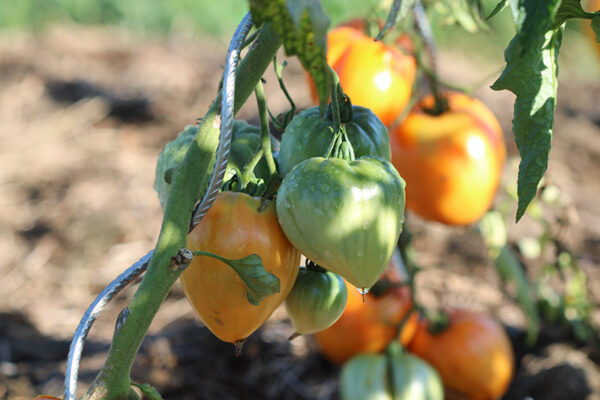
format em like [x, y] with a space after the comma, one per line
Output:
[216, 179]
[227, 114]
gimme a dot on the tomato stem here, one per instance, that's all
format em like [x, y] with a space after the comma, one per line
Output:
[265, 135]
[335, 105]
[279, 74]
[424, 29]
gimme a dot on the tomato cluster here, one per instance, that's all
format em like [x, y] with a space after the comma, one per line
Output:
[341, 204]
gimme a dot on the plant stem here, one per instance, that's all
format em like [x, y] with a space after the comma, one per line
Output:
[113, 380]
[335, 105]
[265, 135]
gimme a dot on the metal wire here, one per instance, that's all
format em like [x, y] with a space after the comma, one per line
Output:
[97, 306]
[227, 114]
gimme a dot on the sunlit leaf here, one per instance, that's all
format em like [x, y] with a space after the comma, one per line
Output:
[531, 73]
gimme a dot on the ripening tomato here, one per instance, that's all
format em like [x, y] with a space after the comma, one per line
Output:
[451, 162]
[372, 74]
[473, 355]
[236, 226]
[368, 326]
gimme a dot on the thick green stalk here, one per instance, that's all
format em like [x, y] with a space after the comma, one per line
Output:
[113, 380]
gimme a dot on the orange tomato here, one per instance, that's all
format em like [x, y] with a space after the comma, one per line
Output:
[373, 74]
[369, 326]
[473, 355]
[451, 162]
[236, 226]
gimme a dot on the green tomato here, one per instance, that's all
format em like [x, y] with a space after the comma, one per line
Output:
[364, 377]
[316, 301]
[346, 217]
[394, 375]
[245, 141]
[309, 135]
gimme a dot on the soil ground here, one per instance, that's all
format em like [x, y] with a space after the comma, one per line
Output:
[84, 113]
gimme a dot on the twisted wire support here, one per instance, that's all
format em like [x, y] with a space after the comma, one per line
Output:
[97, 306]
[227, 114]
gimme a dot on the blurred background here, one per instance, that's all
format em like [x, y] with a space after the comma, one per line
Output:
[90, 92]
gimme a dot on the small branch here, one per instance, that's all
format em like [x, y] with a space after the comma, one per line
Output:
[265, 135]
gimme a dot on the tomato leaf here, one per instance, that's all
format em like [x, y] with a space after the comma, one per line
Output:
[399, 10]
[302, 25]
[531, 73]
[596, 27]
[568, 9]
[171, 155]
[499, 7]
[259, 282]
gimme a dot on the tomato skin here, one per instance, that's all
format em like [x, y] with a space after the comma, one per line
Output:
[316, 301]
[309, 135]
[346, 217]
[234, 228]
[451, 162]
[473, 355]
[369, 326]
[394, 375]
[372, 74]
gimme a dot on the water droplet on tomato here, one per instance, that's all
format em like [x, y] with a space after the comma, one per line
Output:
[363, 291]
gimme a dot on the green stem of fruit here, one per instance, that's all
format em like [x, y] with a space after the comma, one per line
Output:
[335, 105]
[424, 29]
[249, 167]
[279, 75]
[265, 135]
[113, 380]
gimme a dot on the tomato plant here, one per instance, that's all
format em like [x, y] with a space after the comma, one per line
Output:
[341, 201]
[316, 301]
[368, 324]
[237, 225]
[451, 162]
[472, 354]
[394, 375]
[373, 74]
